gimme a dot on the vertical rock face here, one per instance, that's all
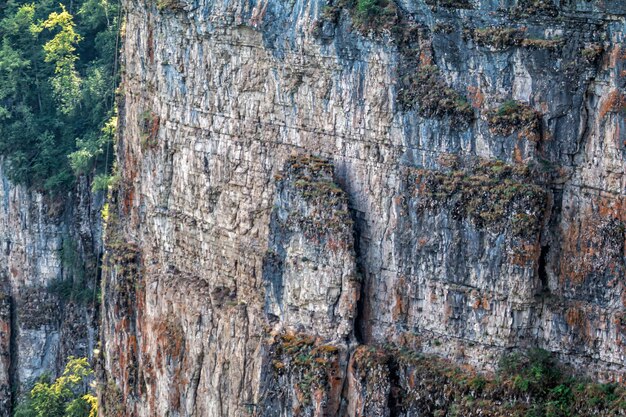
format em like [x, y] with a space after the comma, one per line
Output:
[5, 347]
[48, 282]
[310, 267]
[466, 198]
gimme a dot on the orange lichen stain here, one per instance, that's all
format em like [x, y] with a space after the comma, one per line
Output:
[425, 58]
[518, 157]
[170, 338]
[614, 102]
[612, 57]
[525, 254]
[577, 320]
[585, 244]
[128, 200]
[476, 96]
[399, 308]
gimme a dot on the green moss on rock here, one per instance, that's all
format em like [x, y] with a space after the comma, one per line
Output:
[514, 116]
[592, 52]
[173, 5]
[536, 43]
[309, 363]
[492, 194]
[498, 37]
[527, 384]
[323, 204]
[527, 8]
[426, 90]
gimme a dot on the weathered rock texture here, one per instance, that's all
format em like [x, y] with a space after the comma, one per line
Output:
[48, 283]
[225, 231]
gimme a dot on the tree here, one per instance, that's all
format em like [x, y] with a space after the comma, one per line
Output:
[57, 82]
[60, 50]
[65, 397]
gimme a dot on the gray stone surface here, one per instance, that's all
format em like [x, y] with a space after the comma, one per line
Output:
[45, 242]
[218, 96]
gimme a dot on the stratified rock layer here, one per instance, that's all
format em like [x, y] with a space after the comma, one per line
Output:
[447, 177]
[48, 283]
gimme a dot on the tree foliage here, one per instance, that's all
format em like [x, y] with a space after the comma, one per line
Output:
[67, 396]
[57, 83]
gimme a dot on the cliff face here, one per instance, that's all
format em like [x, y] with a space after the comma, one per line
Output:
[444, 177]
[50, 249]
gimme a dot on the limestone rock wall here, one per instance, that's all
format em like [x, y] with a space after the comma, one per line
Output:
[48, 283]
[469, 199]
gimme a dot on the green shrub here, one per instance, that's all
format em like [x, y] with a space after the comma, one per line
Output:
[526, 8]
[426, 90]
[559, 400]
[513, 116]
[535, 372]
[173, 5]
[101, 182]
[67, 396]
[493, 194]
[374, 14]
[498, 37]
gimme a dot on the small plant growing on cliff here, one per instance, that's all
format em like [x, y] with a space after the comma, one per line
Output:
[513, 115]
[526, 8]
[492, 194]
[68, 396]
[173, 5]
[535, 371]
[498, 37]
[427, 90]
[374, 14]
[307, 364]
[551, 44]
[592, 52]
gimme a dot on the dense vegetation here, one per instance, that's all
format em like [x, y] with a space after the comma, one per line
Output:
[68, 396]
[58, 75]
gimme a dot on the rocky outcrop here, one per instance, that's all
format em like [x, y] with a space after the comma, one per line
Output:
[310, 268]
[48, 283]
[303, 182]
